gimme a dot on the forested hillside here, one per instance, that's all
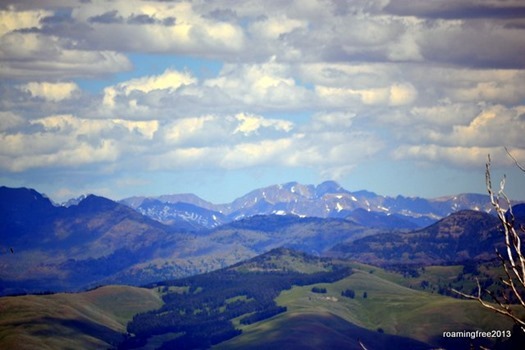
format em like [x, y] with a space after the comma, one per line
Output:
[204, 310]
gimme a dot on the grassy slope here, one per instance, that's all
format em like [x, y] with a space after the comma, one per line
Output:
[396, 309]
[90, 320]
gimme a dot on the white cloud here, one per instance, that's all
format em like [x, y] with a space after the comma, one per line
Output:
[157, 27]
[51, 91]
[331, 121]
[458, 156]
[250, 154]
[250, 124]
[397, 94]
[402, 94]
[468, 144]
[268, 85]
[145, 128]
[407, 46]
[273, 27]
[69, 141]
[507, 123]
[194, 131]
[170, 81]
[33, 56]
[12, 20]
[49, 150]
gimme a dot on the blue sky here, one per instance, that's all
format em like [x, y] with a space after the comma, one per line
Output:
[217, 98]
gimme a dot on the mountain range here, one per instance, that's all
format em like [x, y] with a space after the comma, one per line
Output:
[97, 241]
[326, 200]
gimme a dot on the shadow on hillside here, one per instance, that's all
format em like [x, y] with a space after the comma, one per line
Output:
[321, 331]
[76, 327]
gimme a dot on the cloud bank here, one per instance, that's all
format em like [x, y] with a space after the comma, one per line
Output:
[323, 85]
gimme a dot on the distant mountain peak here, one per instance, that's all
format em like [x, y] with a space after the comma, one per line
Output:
[327, 199]
[96, 203]
[23, 198]
[329, 187]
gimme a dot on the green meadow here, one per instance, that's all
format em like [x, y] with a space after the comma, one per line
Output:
[389, 308]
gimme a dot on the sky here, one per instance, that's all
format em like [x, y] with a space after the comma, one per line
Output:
[217, 98]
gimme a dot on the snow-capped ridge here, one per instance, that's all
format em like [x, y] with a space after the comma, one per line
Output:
[328, 199]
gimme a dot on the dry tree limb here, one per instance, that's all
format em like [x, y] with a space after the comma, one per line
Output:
[502, 309]
[521, 167]
[514, 262]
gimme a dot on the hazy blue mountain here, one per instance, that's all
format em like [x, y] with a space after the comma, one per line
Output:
[64, 248]
[326, 200]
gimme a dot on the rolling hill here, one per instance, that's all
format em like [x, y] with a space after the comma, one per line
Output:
[90, 320]
[279, 299]
[390, 317]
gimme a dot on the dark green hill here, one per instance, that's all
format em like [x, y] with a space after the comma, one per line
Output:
[464, 235]
[203, 310]
[312, 235]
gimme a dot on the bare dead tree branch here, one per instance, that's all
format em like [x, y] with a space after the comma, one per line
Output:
[513, 261]
[521, 167]
[500, 309]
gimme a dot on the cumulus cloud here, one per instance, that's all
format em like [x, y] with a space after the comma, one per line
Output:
[157, 27]
[250, 124]
[17, 20]
[170, 80]
[396, 94]
[468, 143]
[212, 141]
[69, 141]
[33, 55]
[51, 91]
[461, 157]
[494, 120]
[267, 85]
